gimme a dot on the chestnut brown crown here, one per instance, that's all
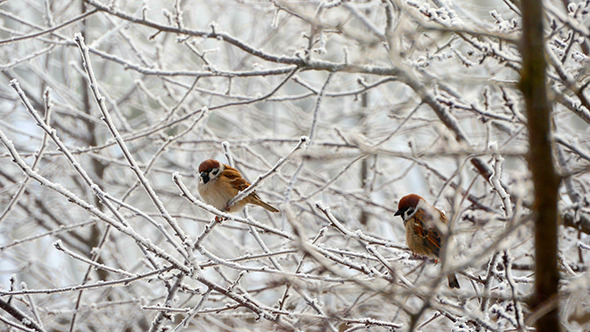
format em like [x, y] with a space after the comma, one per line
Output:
[408, 202]
[208, 165]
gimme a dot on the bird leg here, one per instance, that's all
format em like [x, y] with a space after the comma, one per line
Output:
[225, 209]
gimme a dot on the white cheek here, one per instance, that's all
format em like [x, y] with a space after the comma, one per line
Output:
[407, 214]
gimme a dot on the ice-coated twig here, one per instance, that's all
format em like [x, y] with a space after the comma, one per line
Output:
[33, 306]
[250, 257]
[496, 183]
[172, 291]
[392, 271]
[298, 268]
[311, 302]
[518, 314]
[266, 269]
[89, 207]
[58, 230]
[226, 151]
[99, 284]
[20, 316]
[206, 231]
[484, 306]
[242, 194]
[8, 322]
[50, 30]
[38, 156]
[192, 312]
[62, 147]
[358, 234]
[316, 109]
[187, 194]
[452, 89]
[59, 246]
[106, 117]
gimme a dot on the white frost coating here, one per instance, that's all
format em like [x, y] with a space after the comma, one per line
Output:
[583, 245]
[58, 244]
[455, 63]
[460, 325]
[496, 177]
[572, 7]
[320, 205]
[578, 56]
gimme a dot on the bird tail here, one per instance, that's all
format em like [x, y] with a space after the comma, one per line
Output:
[267, 206]
[453, 282]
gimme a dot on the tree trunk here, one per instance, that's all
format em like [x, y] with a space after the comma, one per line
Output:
[545, 179]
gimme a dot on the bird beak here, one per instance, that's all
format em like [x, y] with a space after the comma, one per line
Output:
[205, 177]
[398, 213]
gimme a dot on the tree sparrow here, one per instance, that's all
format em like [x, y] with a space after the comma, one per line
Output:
[422, 222]
[219, 183]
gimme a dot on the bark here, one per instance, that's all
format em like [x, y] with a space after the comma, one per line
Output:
[545, 179]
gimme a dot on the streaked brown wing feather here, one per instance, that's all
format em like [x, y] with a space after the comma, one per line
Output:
[431, 239]
[237, 181]
[232, 173]
[239, 184]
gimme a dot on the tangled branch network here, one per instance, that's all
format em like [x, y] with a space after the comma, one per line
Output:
[333, 111]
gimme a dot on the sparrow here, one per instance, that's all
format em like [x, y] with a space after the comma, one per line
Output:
[219, 183]
[422, 234]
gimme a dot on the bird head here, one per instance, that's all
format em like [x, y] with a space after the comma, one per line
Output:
[407, 206]
[210, 169]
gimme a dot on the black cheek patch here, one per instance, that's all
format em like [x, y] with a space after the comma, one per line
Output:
[205, 177]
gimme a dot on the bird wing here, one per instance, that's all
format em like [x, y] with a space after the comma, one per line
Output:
[424, 227]
[237, 181]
